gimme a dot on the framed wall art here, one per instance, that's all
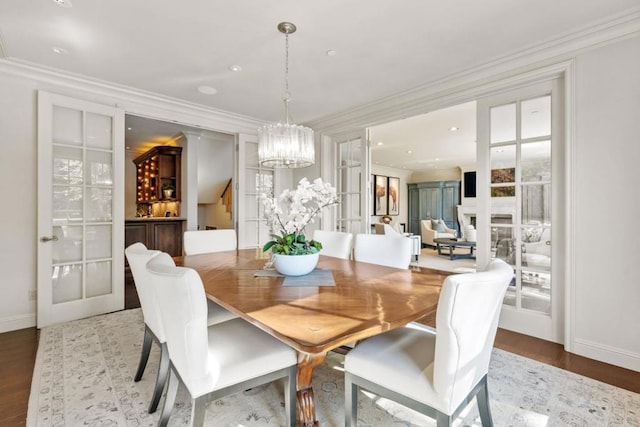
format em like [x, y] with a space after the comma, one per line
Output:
[380, 195]
[393, 200]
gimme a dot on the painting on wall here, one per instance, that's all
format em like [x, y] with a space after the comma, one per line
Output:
[380, 195]
[501, 176]
[393, 202]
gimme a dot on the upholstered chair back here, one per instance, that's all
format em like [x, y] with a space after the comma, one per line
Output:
[466, 324]
[334, 243]
[183, 306]
[207, 241]
[138, 255]
[383, 249]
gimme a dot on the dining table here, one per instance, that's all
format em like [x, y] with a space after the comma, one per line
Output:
[348, 302]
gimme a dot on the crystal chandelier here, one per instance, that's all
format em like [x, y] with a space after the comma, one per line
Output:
[286, 145]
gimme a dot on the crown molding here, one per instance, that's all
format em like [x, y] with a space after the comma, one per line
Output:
[474, 82]
[132, 100]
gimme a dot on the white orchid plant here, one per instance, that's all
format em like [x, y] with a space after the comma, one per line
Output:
[288, 215]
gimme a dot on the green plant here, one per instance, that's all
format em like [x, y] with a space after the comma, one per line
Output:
[292, 244]
[168, 186]
[288, 216]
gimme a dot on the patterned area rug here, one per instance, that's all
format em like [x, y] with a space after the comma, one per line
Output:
[84, 376]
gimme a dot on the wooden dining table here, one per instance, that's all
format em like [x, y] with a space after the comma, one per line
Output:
[364, 300]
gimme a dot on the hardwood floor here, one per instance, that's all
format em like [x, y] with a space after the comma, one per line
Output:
[18, 351]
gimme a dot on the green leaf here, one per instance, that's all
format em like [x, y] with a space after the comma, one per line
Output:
[268, 245]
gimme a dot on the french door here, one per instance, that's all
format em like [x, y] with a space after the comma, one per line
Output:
[80, 209]
[352, 181]
[254, 179]
[519, 163]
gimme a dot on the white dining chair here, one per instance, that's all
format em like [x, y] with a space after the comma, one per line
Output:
[435, 372]
[218, 360]
[383, 249]
[207, 241]
[336, 244]
[138, 255]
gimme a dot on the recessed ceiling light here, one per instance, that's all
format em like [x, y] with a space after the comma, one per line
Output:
[127, 148]
[235, 68]
[409, 151]
[63, 3]
[379, 143]
[207, 90]
[331, 52]
[129, 128]
[436, 159]
[454, 128]
[60, 50]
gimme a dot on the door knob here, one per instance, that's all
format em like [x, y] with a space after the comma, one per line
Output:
[48, 239]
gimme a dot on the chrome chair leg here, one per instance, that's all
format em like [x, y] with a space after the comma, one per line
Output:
[483, 404]
[170, 399]
[161, 379]
[144, 354]
[198, 410]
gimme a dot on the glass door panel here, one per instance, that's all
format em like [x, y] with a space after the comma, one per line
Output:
[351, 183]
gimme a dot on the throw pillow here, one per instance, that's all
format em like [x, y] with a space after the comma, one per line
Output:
[438, 226]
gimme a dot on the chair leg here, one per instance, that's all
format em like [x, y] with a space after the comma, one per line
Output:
[144, 354]
[350, 401]
[443, 420]
[290, 398]
[483, 405]
[198, 410]
[169, 400]
[161, 378]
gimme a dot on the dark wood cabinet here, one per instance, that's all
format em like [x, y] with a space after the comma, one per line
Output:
[158, 175]
[161, 234]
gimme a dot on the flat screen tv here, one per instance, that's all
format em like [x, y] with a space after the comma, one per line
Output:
[470, 184]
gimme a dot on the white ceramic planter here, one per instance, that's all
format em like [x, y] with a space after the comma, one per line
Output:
[295, 265]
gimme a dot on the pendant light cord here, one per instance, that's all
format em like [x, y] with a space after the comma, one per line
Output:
[287, 95]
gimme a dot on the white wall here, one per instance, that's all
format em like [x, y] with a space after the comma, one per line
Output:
[607, 204]
[215, 168]
[452, 174]
[18, 187]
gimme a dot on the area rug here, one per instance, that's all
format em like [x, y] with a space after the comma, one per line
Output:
[84, 376]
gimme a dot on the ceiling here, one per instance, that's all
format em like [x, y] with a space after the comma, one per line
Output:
[379, 47]
[442, 139]
[142, 134]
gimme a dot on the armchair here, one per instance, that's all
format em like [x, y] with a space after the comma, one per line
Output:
[429, 232]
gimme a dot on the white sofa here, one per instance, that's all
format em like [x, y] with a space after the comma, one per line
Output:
[429, 234]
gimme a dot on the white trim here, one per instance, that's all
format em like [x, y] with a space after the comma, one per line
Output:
[132, 100]
[21, 321]
[608, 354]
[477, 81]
[570, 217]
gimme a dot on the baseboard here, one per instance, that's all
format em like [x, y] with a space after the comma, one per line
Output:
[607, 354]
[13, 323]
